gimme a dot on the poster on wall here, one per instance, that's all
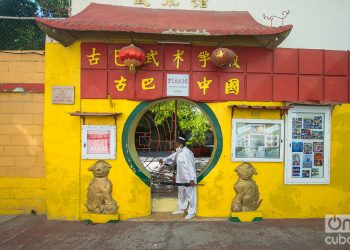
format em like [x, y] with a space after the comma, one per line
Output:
[307, 157]
[257, 140]
[98, 142]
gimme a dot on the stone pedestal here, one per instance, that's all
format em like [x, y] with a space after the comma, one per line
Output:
[246, 216]
[100, 218]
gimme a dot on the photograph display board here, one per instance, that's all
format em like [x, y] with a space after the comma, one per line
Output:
[257, 140]
[308, 152]
[98, 142]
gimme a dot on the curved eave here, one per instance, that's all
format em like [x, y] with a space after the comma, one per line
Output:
[213, 27]
[68, 37]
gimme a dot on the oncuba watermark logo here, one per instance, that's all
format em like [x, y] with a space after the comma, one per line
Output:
[337, 225]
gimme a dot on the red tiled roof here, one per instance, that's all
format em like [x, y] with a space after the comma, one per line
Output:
[100, 17]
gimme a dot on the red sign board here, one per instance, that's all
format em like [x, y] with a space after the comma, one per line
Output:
[121, 84]
[149, 85]
[256, 74]
[94, 56]
[205, 86]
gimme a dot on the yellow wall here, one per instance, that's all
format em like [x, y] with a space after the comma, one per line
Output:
[62, 135]
[131, 194]
[22, 66]
[280, 200]
[21, 195]
[22, 171]
[21, 135]
[67, 176]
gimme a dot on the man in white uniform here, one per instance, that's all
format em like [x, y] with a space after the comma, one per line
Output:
[185, 173]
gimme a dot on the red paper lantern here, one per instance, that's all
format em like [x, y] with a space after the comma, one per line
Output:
[132, 57]
[222, 57]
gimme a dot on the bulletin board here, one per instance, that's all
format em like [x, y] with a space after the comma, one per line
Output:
[98, 142]
[307, 154]
[257, 140]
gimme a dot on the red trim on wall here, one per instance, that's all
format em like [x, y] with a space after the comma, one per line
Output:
[22, 88]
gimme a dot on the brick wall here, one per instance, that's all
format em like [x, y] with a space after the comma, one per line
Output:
[22, 67]
[21, 195]
[21, 135]
[22, 170]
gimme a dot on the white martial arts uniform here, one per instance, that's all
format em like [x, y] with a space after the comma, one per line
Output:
[185, 172]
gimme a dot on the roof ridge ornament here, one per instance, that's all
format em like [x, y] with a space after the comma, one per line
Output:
[285, 13]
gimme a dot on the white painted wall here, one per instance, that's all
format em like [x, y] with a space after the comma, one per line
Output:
[318, 24]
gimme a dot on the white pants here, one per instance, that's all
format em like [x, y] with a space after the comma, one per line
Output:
[187, 196]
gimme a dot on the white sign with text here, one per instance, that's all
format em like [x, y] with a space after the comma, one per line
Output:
[178, 85]
[62, 95]
[98, 142]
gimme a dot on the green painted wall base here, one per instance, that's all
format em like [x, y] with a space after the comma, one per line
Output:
[250, 216]
[100, 218]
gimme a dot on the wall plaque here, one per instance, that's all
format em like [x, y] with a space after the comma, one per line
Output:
[62, 95]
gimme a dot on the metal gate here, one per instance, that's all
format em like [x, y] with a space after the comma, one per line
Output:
[154, 142]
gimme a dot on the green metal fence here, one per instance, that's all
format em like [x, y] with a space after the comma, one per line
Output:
[18, 29]
[20, 34]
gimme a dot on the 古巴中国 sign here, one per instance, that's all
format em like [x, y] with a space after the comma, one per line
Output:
[256, 74]
[169, 70]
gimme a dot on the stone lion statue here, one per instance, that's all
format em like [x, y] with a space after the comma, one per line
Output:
[99, 196]
[247, 192]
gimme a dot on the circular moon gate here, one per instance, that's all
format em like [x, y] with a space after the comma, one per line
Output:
[129, 149]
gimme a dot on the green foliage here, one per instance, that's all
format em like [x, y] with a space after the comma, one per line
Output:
[19, 8]
[24, 34]
[19, 34]
[54, 8]
[191, 120]
[162, 111]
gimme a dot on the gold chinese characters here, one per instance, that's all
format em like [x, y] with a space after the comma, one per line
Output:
[174, 3]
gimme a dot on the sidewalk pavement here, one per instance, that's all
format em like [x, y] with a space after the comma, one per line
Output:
[36, 232]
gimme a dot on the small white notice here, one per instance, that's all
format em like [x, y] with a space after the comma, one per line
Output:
[178, 85]
[98, 142]
[62, 95]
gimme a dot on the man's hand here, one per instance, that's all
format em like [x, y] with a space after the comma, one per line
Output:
[192, 184]
[161, 161]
